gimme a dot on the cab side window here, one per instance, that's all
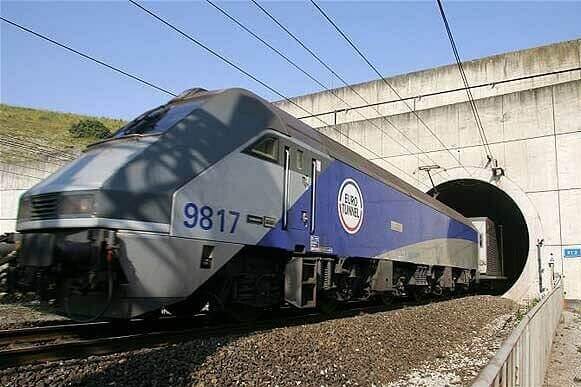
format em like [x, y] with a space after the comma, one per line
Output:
[265, 148]
[300, 159]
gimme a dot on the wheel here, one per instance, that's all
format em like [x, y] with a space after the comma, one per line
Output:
[327, 304]
[386, 298]
[419, 294]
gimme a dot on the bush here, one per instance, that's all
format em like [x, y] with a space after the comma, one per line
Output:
[89, 128]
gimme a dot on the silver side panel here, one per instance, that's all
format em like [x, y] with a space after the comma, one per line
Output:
[238, 183]
[440, 252]
[160, 266]
[92, 223]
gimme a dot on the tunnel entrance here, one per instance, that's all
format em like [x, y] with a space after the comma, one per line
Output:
[475, 198]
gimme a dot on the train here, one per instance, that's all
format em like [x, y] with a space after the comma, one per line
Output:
[221, 201]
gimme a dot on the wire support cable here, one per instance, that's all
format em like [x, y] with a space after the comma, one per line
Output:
[347, 84]
[256, 79]
[317, 81]
[88, 57]
[471, 100]
[480, 85]
[386, 82]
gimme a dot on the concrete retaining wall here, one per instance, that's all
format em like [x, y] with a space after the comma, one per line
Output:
[15, 178]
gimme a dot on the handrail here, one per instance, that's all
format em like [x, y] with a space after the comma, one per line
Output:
[496, 372]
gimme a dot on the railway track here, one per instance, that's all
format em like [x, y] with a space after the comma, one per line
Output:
[60, 342]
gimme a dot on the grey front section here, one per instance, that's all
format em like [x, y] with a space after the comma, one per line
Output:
[134, 178]
[161, 270]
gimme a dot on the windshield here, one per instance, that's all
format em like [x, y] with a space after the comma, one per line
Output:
[157, 120]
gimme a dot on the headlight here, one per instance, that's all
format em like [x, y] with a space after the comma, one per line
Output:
[57, 205]
[76, 205]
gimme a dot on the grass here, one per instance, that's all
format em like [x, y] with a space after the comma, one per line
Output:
[46, 127]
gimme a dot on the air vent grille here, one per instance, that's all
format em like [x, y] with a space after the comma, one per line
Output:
[44, 206]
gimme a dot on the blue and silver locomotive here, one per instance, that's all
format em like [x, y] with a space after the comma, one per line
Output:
[220, 199]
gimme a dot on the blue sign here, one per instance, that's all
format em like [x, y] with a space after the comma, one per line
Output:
[572, 252]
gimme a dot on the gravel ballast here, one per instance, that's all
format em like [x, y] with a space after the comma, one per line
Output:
[30, 314]
[395, 347]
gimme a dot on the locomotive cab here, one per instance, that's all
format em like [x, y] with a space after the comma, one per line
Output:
[89, 232]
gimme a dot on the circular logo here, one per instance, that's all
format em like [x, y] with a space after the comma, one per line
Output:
[350, 206]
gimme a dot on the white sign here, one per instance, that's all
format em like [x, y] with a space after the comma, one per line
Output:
[350, 206]
[396, 226]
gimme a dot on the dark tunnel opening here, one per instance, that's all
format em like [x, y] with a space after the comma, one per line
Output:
[475, 198]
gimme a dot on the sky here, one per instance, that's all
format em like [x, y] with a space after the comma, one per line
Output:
[398, 37]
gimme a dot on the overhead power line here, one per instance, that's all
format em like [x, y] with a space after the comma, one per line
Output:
[347, 84]
[372, 66]
[254, 78]
[471, 101]
[88, 57]
[446, 91]
[311, 77]
[217, 55]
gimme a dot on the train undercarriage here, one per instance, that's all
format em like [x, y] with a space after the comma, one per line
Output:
[82, 273]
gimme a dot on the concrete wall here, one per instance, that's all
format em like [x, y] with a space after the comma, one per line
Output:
[15, 178]
[533, 127]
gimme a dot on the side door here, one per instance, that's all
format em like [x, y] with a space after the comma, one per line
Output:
[301, 172]
[296, 199]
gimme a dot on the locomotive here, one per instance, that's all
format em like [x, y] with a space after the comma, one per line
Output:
[221, 200]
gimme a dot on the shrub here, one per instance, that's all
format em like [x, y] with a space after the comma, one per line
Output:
[89, 128]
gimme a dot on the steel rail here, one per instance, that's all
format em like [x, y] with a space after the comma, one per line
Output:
[109, 344]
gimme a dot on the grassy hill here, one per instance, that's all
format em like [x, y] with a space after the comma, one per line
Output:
[45, 127]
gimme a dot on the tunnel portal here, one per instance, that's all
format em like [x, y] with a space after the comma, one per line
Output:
[476, 198]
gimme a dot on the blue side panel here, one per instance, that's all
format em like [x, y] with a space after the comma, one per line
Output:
[382, 204]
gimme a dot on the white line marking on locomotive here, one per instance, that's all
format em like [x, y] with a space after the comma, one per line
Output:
[350, 206]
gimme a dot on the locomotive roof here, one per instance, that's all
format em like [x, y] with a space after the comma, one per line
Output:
[285, 123]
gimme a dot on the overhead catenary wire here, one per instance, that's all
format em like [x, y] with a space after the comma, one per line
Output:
[471, 100]
[386, 82]
[256, 79]
[340, 78]
[310, 76]
[88, 57]
[446, 91]
[218, 55]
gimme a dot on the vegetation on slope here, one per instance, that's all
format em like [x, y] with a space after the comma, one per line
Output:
[46, 127]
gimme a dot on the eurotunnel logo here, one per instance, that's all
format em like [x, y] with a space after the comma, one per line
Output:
[350, 206]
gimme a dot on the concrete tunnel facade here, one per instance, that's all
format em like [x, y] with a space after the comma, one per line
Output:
[529, 102]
